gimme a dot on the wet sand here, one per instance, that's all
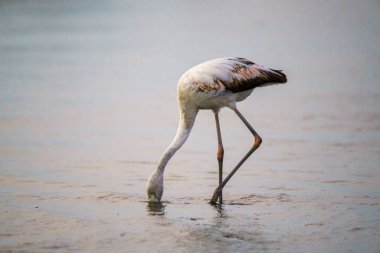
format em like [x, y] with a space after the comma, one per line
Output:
[88, 105]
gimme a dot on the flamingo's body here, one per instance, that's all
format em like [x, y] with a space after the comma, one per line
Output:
[212, 85]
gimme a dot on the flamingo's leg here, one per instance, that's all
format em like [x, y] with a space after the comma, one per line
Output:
[220, 153]
[257, 142]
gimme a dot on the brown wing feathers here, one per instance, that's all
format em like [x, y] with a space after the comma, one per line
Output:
[246, 76]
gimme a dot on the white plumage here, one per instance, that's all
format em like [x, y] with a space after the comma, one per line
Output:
[212, 85]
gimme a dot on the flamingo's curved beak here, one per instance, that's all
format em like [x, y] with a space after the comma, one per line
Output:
[152, 197]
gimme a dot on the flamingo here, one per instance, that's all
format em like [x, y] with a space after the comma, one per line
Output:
[212, 85]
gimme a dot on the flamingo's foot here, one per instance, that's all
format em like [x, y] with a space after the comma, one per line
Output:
[215, 196]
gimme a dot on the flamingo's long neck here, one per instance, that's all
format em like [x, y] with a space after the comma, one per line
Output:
[187, 118]
[155, 185]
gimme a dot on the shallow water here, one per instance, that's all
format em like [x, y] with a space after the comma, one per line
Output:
[88, 104]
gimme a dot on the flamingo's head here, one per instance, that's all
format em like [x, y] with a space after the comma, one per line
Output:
[155, 187]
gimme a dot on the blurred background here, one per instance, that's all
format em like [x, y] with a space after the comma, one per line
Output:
[88, 96]
[98, 78]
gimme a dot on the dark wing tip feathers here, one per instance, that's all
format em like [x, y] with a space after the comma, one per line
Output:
[265, 78]
[244, 61]
[283, 78]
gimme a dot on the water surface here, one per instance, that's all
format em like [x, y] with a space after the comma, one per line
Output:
[88, 105]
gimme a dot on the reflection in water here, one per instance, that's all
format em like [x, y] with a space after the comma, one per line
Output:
[155, 209]
[221, 213]
[220, 219]
[225, 229]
